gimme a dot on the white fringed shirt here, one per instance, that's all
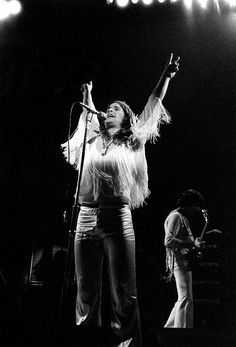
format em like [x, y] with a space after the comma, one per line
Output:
[122, 170]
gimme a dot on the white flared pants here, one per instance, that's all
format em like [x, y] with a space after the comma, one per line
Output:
[181, 315]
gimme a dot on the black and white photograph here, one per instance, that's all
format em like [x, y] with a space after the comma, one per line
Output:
[118, 173]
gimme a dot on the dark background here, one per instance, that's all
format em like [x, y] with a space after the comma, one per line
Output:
[46, 54]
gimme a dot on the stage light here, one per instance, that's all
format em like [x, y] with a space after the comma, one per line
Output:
[188, 4]
[9, 8]
[4, 10]
[147, 2]
[203, 3]
[231, 3]
[14, 7]
[122, 3]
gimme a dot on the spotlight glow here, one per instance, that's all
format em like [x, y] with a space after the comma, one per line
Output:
[217, 6]
[203, 3]
[231, 3]
[147, 2]
[14, 7]
[188, 4]
[122, 3]
[9, 8]
[4, 10]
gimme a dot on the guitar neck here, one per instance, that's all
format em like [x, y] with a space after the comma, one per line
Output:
[203, 231]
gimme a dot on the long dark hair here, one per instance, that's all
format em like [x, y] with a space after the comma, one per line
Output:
[128, 114]
[190, 197]
[124, 134]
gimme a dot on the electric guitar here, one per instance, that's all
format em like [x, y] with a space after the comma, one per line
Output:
[194, 254]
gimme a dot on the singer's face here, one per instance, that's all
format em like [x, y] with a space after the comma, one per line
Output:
[115, 116]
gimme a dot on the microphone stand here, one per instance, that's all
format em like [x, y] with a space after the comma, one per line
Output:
[72, 229]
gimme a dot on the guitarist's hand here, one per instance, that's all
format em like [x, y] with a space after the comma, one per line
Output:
[198, 243]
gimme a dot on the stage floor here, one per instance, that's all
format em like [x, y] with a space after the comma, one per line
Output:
[26, 335]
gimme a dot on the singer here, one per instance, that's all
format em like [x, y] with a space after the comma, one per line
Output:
[114, 181]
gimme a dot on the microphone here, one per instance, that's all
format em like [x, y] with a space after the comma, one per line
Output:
[102, 114]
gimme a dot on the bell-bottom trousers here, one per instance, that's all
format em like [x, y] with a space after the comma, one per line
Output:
[181, 315]
[106, 234]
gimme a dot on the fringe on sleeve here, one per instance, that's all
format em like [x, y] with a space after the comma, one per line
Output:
[146, 127]
[71, 149]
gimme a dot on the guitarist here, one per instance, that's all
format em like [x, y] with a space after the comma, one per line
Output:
[178, 242]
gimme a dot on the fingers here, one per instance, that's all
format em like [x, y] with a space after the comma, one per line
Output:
[174, 65]
[86, 86]
[177, 60]
[170, 59]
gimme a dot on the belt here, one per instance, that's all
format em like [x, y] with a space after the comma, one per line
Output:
[90, 205]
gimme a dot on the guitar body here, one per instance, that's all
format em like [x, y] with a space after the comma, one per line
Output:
[194, 257]
[194, 254]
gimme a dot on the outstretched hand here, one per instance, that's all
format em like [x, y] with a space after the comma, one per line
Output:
[172, 66]
[86, 89]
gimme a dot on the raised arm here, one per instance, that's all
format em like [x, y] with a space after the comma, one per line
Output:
[169, 72]
[86, 90]
[71, 148]
[147, 126]
[97, 119]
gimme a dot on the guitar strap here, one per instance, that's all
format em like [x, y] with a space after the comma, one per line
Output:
[188, 230]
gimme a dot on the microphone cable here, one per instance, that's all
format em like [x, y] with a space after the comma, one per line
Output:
[68, 160]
